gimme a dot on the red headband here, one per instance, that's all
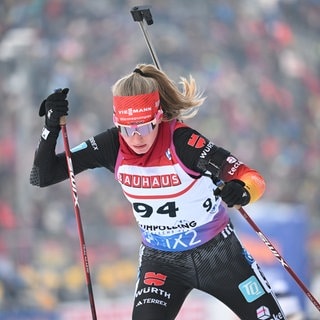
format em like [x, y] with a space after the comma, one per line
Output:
[136, 109]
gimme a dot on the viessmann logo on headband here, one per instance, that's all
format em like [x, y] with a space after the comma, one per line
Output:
[132, 111]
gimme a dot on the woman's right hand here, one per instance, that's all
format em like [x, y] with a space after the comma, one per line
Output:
[53, 108]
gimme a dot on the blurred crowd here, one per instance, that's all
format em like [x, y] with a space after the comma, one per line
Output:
[259, 65]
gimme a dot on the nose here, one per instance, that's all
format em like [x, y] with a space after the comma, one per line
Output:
[136, 136]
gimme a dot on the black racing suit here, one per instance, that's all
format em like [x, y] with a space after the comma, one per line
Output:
[221, 267]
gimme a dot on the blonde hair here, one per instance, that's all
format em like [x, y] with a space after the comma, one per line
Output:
[175, 104]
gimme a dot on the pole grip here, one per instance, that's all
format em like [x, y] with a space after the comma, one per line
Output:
[63, 121]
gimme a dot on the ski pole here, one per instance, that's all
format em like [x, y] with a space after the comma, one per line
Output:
[279, 257]
[75, 199]
[220, 184]
[142, 14]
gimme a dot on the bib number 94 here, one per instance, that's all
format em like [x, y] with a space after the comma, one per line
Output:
[170, 208]
[146, 211]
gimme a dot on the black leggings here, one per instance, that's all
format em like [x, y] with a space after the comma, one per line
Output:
[220, 267]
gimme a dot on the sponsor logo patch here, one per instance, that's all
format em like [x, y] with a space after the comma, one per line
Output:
[196, 141]
[263, 313]
[251, 289]
[248, 257]
[45, 133]
[79, 147]
[154, 279]
[148, 182]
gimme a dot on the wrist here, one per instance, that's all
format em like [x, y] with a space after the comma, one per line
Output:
[50, 131]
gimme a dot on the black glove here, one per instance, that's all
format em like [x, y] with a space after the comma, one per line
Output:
[53, 108]
[233, 193]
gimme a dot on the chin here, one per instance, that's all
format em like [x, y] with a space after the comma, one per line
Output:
[142, 150]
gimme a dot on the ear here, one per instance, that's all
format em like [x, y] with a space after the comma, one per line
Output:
[159, 115]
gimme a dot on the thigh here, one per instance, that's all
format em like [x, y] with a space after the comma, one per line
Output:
[159, 293]
[238, 282]
[249, 294]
